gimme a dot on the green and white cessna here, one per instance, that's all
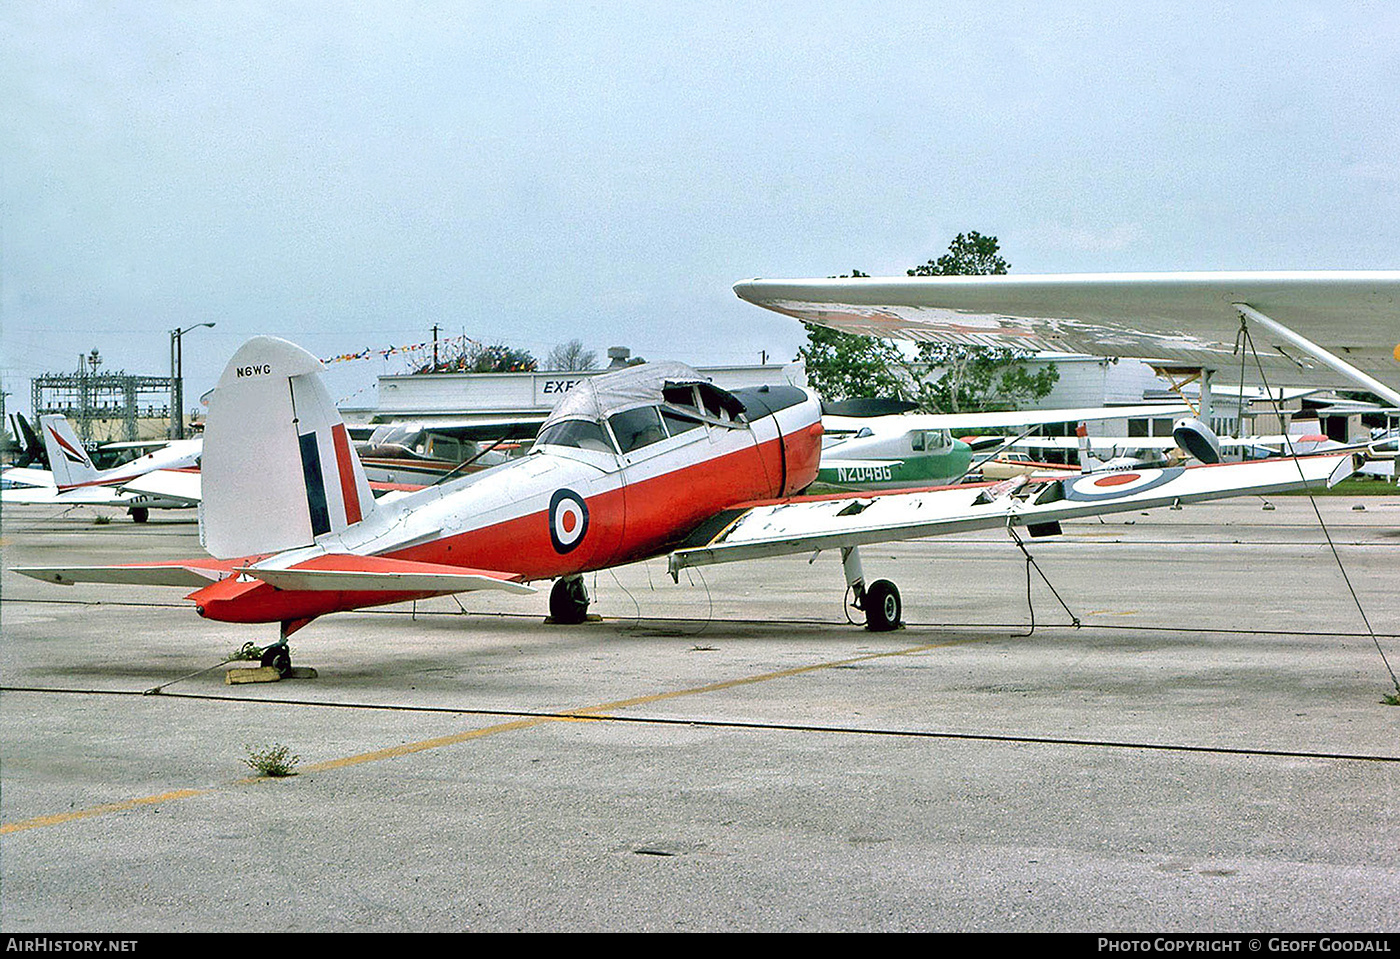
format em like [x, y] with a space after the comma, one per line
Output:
[918, 449]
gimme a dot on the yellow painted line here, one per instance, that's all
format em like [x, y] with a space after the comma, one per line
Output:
[762, 678]
[55, 820]
[406, 749]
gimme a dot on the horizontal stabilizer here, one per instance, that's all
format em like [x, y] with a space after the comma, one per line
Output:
[156, 574]
[181, 486]
[351, 573]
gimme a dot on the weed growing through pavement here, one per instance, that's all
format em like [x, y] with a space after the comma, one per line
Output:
[275, 760]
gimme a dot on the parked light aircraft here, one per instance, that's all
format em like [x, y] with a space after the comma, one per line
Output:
[422, 453]
[647, 461]
[1303, 437]
[918, 449]
[168, 477]
[31, 448]
[157, 480]
[72, 469]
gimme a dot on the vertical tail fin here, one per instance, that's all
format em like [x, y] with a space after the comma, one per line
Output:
[67, 458]
[278, 469]
[31, 446]
[1086, 455]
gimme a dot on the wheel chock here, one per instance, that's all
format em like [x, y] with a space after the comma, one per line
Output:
[258, 674]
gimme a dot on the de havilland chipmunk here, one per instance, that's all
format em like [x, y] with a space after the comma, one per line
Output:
[648, 461]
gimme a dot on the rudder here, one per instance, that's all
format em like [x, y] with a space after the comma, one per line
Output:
[67, 459]
[278, 466]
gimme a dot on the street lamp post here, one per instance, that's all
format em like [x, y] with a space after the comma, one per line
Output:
[177, 382]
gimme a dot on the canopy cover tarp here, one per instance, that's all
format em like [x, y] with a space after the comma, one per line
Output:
[599, 397]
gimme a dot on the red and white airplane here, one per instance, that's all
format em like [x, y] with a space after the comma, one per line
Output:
[650, 460]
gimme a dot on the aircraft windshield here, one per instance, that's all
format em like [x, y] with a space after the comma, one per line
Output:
[580, 434]
[391, 434]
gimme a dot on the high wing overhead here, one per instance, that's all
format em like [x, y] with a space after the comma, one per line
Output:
[1185, 319]
[982, 421]
[823, 523]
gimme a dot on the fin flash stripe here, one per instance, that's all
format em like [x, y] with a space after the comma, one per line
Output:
[349, 495]
[315, 484]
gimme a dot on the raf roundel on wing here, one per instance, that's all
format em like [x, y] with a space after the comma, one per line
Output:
[1100, 486]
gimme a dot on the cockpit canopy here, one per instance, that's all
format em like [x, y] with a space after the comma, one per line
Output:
[634, 407]
[928, 440]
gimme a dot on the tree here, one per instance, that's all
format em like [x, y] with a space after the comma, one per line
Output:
[977, 378]
[842, 366]
[473, 357]
[571, 357]
[499, 358]
[970, 254]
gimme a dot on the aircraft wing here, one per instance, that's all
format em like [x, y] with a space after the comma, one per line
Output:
[178, 485]
[1097, 443]
[522, 427]
[23, 477]
[1277, 441]
[194, 573]
[351, 572]
[331, 571]
[979, 421]
[52, 496]
[810, 524]
[136, 445]
[1180, 318]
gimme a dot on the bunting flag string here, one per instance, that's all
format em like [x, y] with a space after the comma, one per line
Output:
[368, 352]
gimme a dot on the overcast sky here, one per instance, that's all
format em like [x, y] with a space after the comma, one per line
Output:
[346, 175]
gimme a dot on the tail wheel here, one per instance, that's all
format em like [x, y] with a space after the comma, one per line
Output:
[568, 601]
[883, 607]
[279, 657]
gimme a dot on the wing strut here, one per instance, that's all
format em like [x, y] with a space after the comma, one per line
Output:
[1250, 314]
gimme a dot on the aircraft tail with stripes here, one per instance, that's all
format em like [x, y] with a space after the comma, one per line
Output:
[70, 463]
[279, 470]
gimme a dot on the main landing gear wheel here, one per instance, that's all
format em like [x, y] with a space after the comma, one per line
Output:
[139, 514]
[882, 606]
[568, 601]
[279, 657]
